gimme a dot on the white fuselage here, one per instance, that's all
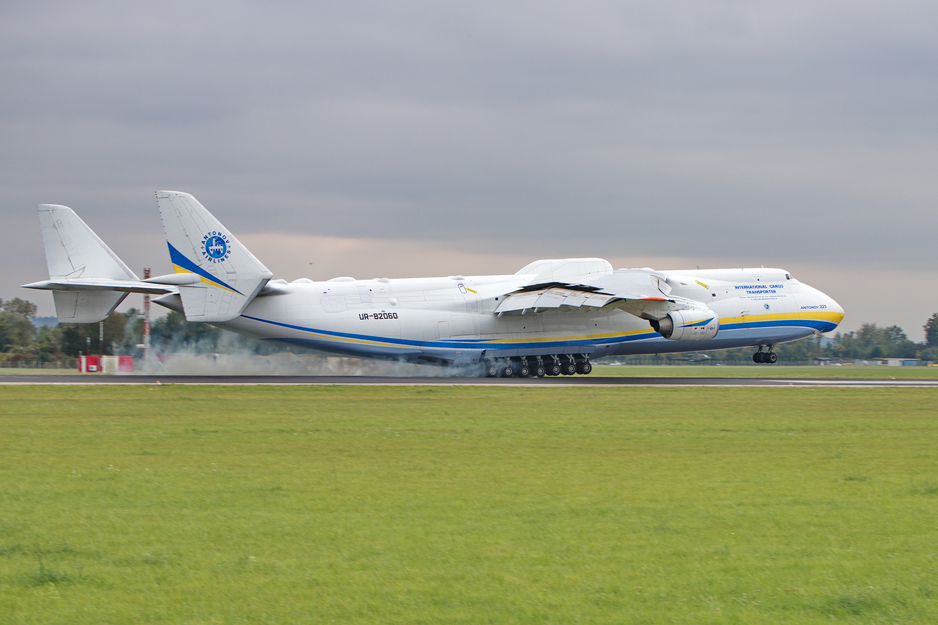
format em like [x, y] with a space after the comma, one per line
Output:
[453, 321]
[551, 317]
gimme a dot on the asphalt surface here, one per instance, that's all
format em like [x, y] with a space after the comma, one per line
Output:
[577, 380]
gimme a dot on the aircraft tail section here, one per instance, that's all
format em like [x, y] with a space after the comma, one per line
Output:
[230, 276]
[73, 250]
[85, 306]
[75, 253]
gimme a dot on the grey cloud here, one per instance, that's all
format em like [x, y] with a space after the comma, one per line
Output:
[724, 131]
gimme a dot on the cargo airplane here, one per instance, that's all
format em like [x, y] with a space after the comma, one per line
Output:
[552, 317]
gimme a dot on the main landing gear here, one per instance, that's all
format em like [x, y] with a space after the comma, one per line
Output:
[538, 366]
[765, 358]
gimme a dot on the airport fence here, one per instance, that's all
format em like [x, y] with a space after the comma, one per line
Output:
[67, 363]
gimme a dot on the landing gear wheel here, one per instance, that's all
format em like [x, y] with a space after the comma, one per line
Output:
[553, 369]
[757, 358]
[491, 370]
[507, 371]
[584, 367]
[770, 358]
[540, 371]
[523, 371]
[568, 368]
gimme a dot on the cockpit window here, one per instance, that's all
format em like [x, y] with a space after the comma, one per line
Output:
[788, 276]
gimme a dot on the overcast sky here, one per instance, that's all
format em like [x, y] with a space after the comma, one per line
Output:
[422, 138]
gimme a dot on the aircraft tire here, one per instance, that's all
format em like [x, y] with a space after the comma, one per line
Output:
[524, 371]
[507, 371]
[757, 358]
[771, 358]
[568, 368]
[584, 367]
[553, 369]
[540, 371]
[491, 371]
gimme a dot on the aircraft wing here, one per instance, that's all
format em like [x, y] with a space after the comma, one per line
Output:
[643, 293]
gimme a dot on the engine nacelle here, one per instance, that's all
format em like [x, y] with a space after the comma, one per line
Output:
[688, 325]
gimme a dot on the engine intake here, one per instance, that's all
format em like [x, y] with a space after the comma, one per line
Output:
[688, 325]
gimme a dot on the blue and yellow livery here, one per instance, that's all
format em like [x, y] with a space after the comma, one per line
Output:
[551, 317]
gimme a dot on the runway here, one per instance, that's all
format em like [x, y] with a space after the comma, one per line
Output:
[92, 379]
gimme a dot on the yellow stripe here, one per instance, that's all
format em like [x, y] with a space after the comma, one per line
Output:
[210, 283]
[581, 337]
[348, 340]
[835, 317]
[178, 269]
[823, 316]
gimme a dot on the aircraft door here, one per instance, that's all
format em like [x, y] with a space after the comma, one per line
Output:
[471, 297]
[465, 324]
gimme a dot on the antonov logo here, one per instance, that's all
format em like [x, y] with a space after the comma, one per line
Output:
[215, 247]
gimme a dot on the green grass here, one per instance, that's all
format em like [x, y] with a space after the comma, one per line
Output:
[681, 371]
[179, 504]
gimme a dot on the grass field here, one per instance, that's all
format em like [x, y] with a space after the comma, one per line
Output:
[171, 504]
[635, 371]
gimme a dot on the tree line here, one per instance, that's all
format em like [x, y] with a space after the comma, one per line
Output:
[870, 342]
[23, 337]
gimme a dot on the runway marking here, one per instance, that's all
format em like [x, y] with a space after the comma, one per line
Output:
[862, 382]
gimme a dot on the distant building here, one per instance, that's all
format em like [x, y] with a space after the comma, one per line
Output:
[896, 362]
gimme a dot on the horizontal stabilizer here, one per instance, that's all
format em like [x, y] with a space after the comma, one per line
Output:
[123, 286]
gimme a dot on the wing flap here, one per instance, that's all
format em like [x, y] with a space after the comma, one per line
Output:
[658, 308]
[552, 298]
[640, 292]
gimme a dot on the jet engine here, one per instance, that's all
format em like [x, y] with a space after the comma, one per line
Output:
[688, 325]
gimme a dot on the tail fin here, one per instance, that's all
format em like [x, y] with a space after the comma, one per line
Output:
[198, 243]
[74, 251]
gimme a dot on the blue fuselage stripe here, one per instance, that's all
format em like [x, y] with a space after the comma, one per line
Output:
[497, 344]
[817, 324]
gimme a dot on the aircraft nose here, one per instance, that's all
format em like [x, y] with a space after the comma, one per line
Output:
[835, 312]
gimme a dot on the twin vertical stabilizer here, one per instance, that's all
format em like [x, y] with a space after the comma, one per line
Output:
[230, 276]
[88, 280]
[74, 254]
